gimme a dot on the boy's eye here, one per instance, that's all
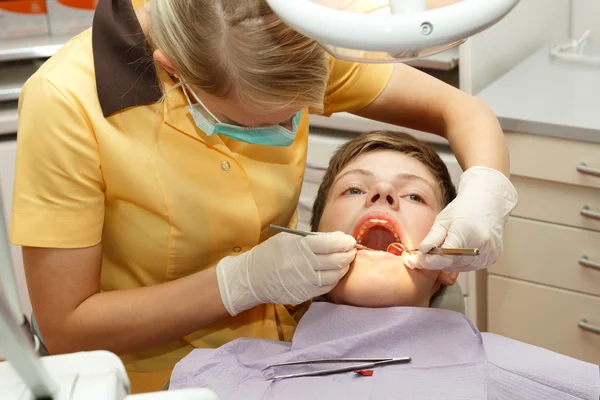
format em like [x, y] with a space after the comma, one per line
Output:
[353, 191]
[415, 197]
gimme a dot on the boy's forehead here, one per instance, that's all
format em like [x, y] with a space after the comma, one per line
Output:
[388, 163]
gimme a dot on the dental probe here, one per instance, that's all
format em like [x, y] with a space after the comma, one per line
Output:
[435, 251]
[449, 252]
[304, 233]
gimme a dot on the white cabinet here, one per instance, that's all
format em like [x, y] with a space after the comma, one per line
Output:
[545, 316]
[545, 289]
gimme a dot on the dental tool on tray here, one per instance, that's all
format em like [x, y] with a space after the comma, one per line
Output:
[435, 251]
[366, 363]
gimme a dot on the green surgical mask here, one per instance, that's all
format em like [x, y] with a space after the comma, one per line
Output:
[273, 135]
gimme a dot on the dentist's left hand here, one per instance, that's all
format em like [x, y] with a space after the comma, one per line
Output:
[285, 269]
[474, 219]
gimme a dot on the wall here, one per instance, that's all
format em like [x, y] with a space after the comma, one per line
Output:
[531, 24]
[586, 15]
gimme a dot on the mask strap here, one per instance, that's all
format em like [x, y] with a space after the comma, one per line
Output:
[183, 87]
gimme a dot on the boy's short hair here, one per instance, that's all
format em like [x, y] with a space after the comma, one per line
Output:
[382, 140]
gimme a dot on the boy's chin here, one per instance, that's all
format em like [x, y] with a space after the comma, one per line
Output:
[379, 279]
[376, 299]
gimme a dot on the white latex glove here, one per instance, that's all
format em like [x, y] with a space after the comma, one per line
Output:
[285, 269]
[474, 219]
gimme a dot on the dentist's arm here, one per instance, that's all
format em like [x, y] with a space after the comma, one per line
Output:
[75, 315]
[416, 100]
[476, 218]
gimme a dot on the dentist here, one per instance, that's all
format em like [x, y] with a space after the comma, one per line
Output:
[155, 149]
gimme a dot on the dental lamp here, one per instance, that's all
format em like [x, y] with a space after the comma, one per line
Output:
[93, 375]
[384, 31]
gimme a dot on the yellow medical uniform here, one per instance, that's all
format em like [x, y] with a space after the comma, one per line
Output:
[101, 158]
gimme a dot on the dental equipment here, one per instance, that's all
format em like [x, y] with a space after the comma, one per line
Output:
[304, 233]
[383, 31]
[449, 252]
[443, 251]
[435, 251]
[367, 364]
[93, 375]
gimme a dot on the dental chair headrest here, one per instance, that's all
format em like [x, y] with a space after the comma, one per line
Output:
[449, 298]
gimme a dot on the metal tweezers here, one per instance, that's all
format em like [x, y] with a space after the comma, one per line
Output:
[366, 364]
[435, 250]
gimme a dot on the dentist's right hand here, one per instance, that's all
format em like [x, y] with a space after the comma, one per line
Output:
[285, 269]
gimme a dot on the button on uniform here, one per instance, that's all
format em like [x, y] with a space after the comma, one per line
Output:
[237, 249]
[225, 165]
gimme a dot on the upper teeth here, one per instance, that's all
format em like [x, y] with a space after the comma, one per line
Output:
[379, 221]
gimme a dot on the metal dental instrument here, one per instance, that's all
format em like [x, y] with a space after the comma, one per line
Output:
[435, 251]
[304, 233]
[449, 252]
[290, 230]
[368, 363]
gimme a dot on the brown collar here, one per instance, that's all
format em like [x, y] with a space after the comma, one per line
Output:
[125, 73]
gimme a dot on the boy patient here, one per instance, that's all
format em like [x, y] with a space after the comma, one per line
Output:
[384, 187]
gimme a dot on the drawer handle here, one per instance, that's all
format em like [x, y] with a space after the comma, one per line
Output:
[583, 324]
[584, 261]
[584, 169]
[586, 212]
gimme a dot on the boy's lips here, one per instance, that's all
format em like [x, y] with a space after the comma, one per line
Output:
[377, 230]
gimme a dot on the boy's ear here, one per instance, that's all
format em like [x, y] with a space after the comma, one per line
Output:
[447, 278]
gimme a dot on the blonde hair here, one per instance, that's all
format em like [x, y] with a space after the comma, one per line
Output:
[240, 50]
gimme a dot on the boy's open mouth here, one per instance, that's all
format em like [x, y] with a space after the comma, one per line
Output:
[377, 230]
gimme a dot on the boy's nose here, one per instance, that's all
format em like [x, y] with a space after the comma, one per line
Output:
[383, 193]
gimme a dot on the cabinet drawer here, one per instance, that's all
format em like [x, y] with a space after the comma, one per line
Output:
[555, 159]
[550, 254]
[557, 202]
[544, 317]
